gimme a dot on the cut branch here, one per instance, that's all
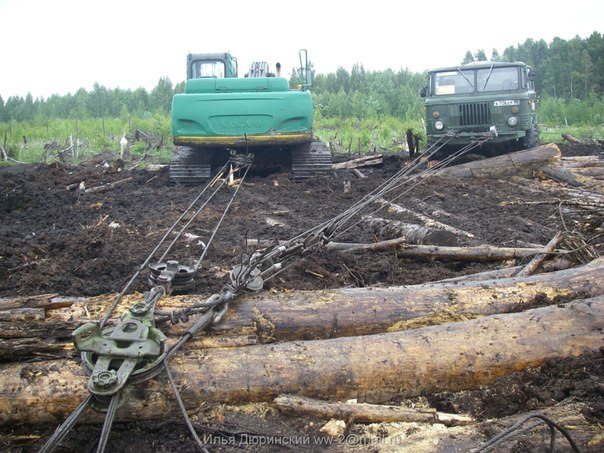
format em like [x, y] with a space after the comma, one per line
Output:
[537, 260]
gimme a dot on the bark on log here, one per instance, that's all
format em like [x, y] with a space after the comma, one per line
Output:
[520, 163]
[306, 315]
[457, 356]
[427, 221]
[41, 300]
[365, 413]
[414, 234]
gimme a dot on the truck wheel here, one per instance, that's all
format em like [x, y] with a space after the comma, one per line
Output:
[531, 139]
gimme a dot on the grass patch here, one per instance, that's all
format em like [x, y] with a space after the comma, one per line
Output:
[362, 136]
[42, 141]
[553, 134]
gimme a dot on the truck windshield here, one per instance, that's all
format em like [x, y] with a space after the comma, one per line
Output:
[497, 79]
[453, 82]
[208, 69]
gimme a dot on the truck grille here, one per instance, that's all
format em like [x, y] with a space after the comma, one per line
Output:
[474, 114]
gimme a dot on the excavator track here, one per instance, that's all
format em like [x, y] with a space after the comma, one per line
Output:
[311, 159]
[190, 165]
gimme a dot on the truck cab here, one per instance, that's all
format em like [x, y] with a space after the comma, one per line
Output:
[470, 99]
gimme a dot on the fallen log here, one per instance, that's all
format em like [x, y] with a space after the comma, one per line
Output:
[561, 175]
[570, 138]
[372, 246]
[414, 234]
[427, 221]
[41, 300]
[575, 195]
[478, 253]
[457, 356]
[305, 315]
[520, 163]
[109, 186]
[365, 413]
[433, 212]
[364, 161]
[534, 435]
[358, 173]
[578, 162]
[595, 172]
[553, 265]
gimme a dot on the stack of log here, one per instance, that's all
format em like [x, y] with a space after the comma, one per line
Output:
[306, 352]
[368, 344]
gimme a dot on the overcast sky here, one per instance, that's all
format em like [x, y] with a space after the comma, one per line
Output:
[59, 46]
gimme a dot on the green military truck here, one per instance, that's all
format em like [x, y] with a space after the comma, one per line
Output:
[479, 97]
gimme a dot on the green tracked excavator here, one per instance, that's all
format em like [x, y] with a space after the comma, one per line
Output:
[220, 114]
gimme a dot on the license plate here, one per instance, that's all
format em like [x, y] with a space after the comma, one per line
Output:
[504, 103]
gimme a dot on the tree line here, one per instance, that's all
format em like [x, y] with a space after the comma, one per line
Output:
[100, 102]
[567, 70]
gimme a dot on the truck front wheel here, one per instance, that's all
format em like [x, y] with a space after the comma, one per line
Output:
[531, 138]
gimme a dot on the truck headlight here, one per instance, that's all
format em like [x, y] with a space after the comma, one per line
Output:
[512, 121]
[439, 125]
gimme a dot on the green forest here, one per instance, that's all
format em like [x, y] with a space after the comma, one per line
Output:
[358, 107]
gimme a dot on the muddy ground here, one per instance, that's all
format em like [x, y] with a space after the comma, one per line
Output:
[55, 238]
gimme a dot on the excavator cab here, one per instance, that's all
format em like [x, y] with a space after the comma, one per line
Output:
[211, 65]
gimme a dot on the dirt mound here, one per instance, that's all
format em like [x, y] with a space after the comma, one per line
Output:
[581, 149]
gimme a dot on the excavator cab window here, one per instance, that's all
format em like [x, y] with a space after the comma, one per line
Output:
[207, 68]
